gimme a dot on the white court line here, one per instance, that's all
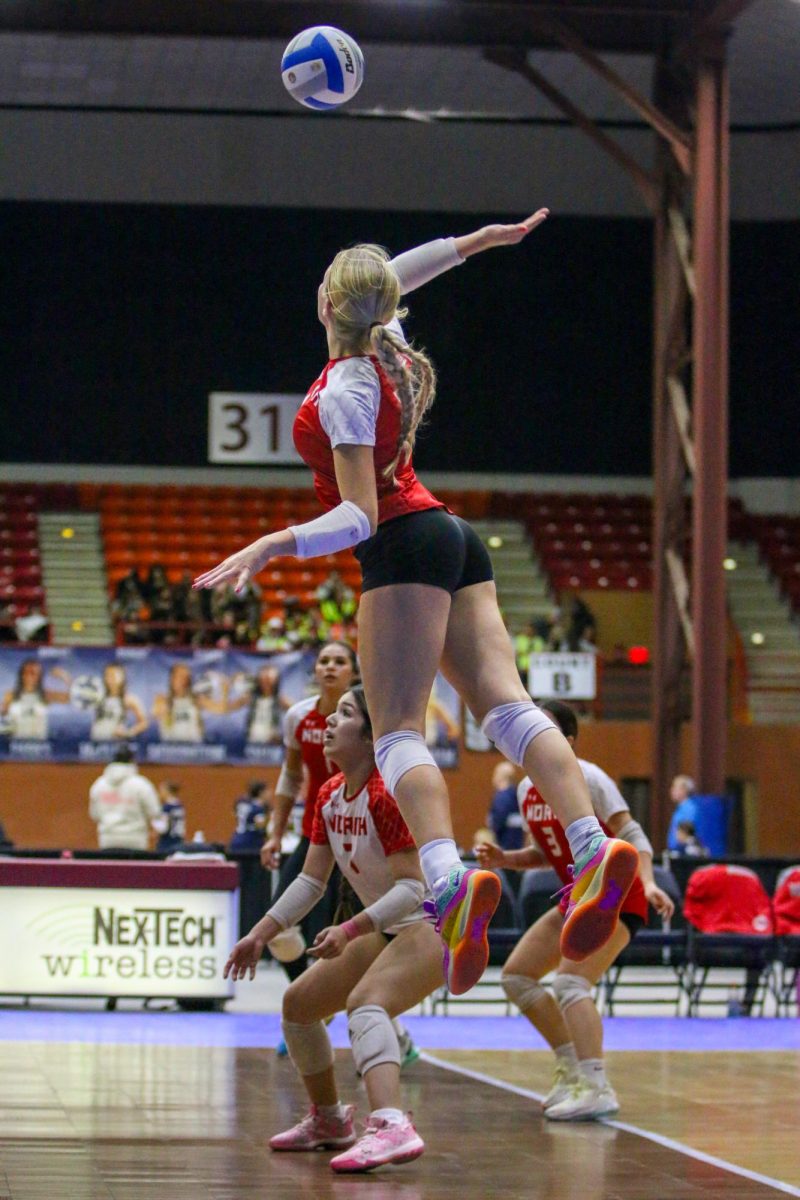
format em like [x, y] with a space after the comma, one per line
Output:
[679, 1147]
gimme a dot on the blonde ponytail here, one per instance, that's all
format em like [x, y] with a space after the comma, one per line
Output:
[364, 294]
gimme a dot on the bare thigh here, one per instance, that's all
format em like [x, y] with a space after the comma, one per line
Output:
[401, 636]
[406, 971]
[537, 952]
[322, 990]
[478, 656]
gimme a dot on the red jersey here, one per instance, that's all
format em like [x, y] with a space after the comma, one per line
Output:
[362, 831]
[548, 833]
[303, 730]
[353, 403]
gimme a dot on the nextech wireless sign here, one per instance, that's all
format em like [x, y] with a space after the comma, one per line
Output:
[109, 941]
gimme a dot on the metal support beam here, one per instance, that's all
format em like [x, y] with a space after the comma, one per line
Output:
[710, 415]
[672, 631]
[517, 61]
[678, 139]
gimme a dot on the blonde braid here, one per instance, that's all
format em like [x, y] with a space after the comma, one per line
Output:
[414, 380]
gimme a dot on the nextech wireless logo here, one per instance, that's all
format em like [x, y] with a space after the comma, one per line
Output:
[94, 942]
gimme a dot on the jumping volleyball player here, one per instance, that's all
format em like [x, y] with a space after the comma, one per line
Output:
[375, 966]
[428, 596]
[568, 1019]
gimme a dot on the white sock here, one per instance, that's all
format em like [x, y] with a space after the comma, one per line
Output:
[566, 1054]
[581, 833]
[333, 1112]
[393, 1115]
[593, 1072]
[437, 858]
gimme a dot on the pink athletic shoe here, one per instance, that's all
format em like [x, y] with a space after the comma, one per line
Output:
[383, 1142]
[602, 880]
[316, 1132]
[463, 908]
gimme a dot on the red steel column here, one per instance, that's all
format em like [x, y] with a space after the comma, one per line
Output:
[710, 414]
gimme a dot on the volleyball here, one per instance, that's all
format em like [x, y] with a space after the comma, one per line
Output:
[86, 691]
[322, 67]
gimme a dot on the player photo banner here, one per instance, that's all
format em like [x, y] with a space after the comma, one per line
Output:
[76, 704]
[62, 704]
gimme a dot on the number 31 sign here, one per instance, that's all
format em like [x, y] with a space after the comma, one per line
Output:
[251, 427]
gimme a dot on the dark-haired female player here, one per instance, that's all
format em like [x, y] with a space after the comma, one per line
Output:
[384, 960]
[427, 596]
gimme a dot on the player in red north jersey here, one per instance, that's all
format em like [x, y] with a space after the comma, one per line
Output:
[568, 1020]
[375, 966]
[427, 596]
[304, 771]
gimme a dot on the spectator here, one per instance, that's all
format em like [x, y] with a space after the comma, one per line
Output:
[223, 600]
[8, 632]
[251, 818]
[273, 639]
[123, 804]
[32, 626]
[171, 825]
[682, 793]
[129, 596]
[581, 627]
[505, 819]
[156, 580]
[162, 613]
[337, 605]
[526, 643]
[689, 844]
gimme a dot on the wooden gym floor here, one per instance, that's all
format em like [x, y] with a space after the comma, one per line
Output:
[94, 1121]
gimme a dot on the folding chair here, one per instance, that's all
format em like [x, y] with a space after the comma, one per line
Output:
[730, 925]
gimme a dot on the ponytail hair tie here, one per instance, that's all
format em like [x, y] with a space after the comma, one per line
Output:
[374, 323]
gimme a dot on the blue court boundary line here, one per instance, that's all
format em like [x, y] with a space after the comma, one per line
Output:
[680, 1147]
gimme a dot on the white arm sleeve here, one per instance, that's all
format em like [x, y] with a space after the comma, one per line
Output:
[423, 263]
[632, 832]
[289, 783]
[344, 526]
[299, 898]
[399, 902]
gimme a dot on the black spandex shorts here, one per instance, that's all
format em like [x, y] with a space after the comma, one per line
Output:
[632, 922]
[432, 546]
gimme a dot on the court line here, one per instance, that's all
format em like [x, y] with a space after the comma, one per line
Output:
[668, 1143]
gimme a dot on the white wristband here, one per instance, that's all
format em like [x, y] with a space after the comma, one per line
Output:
[344, 526]
[299, 898]
[399, 902]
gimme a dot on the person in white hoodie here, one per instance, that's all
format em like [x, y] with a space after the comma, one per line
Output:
[123, 804]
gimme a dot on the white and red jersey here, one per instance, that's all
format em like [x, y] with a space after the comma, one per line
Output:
[304, 729]
[363, 831]
[548, 832]
[353, 403]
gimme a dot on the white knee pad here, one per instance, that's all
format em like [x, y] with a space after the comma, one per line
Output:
[569, 989]
[372, 1037]
[309, 1046]
[396, 753]
[522, 990]
[512, 727]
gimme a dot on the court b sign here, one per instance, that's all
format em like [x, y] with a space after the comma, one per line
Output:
[562, 676]
[252, 427]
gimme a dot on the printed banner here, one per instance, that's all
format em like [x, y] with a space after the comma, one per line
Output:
[75, 704]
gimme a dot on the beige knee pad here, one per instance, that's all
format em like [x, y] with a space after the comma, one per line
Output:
[309, 1046]
[372, 1037]
[522, 990]
[569, 989]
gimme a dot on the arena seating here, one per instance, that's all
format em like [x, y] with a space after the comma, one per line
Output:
[21, 586]
[778, 540]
